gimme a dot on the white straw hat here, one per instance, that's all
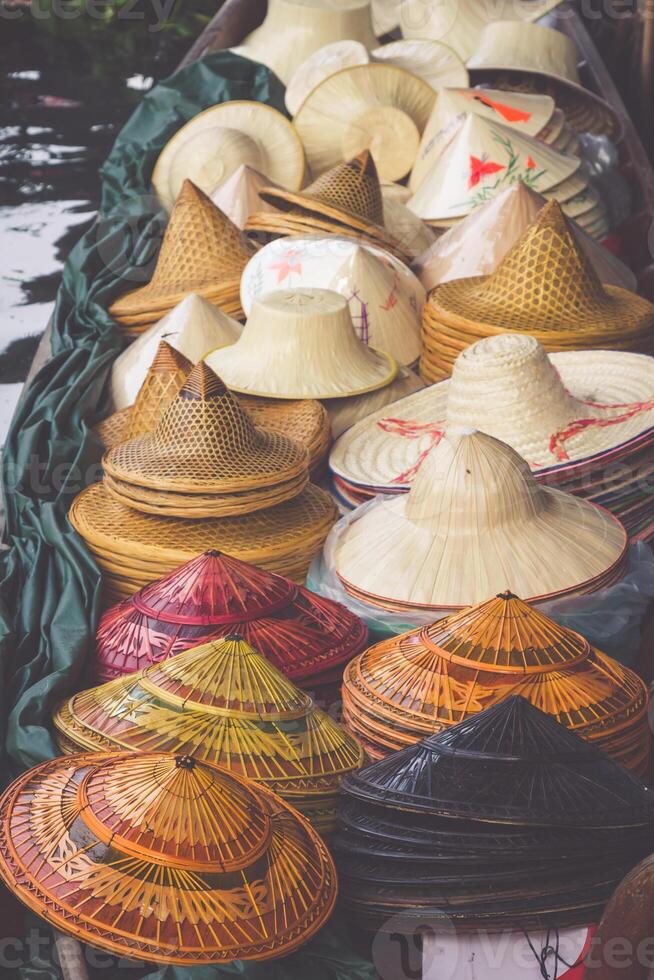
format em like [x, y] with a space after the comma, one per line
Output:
[386, 16]
[321, 64]
[377, 107]
[238, 197]
[435, 63]
[212, 145]
[413, 234]
[554, 410]
[301, 344]
[476, 523]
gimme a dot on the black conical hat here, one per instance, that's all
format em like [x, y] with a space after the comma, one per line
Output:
[509, 764]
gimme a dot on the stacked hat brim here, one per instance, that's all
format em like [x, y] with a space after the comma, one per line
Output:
[425, 681]
[345, 412]
[164, 858]
[224, 704]
[504, 821]
[205, 458]
[201, 252]
[544, 286]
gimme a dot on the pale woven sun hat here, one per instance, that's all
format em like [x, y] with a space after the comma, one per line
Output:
[435, 63]
[476, 523]
[378, 107]
[212, 145]
[301, 344]
[239, 196]
[319, 66]
[554, 410]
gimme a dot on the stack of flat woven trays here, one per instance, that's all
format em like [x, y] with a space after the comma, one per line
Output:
[223, 703]
[505, 821]
[307, 637]
[425, 681]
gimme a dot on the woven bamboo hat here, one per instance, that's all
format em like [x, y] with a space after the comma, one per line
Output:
[321, 64]
[212, 145]
[302, 344]
[479, 161]
[476, 522]
[304, 635]
[377, 107]
[544, 285]
[201, 252]
[477, 245]
[435, 63]
[163, 858]
[430, 679]
[239, 196]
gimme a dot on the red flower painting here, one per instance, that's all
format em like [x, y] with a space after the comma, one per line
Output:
[482, 167]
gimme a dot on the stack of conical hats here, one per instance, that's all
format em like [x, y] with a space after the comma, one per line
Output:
[545, 286]
[205, 458]
[425, 681]
[222, 703]
[201, 252]
[307, 637]
[506, 821]
[345, 200]
[164, 858]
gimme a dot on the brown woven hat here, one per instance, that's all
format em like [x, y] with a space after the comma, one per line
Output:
[201, 252]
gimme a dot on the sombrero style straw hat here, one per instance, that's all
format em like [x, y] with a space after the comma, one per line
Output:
[476, 245]
[213, 144]
[526, 114]
[304, 635]
[239, 196]
[545, 286]
[475, 522]
[509, 51]
[205, 458]
[554, 410]
[321, 64]
[427, 680]
[222, 703]
[377, 107]
[201, 252]
[163, 858]
[302, 344]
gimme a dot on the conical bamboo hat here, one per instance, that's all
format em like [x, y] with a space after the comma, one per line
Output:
[321, 64]
[205, 442]
[474, 523]
[239, 196]
[476, 245]
[302, 344]
[163, 858]
[479, 161]
[435, 63]
[345, 412]
[377, 107]
[526, 114]
[414, 236]
[202, 252]
[213, 144]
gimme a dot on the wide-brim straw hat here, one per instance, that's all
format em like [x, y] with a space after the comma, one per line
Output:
[476, 245]
[526, 114]
[239, 196]
[544, 286]
[345, 412]
[201, 252]
[302, 344]
[435, 63]
[377, 107]
[321, 64]
[213, 144]
[536, 50]
[476, 523]
[169, 842]
[554, 410]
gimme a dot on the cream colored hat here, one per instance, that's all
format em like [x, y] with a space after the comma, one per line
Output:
[194, 327]
[385, 16]
[527, 114]
[344, 412]
[561, 408]
[437, 64]
[238, 197]
[301, 344]
[413, 234]
[477, 245]
[320, 65]
[294, 29]
[474, 524]
[377, 107]
[212, 145]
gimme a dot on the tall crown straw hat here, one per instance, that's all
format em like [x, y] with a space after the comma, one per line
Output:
[163, 858]
[476, 245]
[545, 286]
[294, 29]
[201, 252]
[213, 144]
[476, 522]
[376, 107]
[409, 686]
[509, 52]
[302, 344]
[239, 196]
[205, 458]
